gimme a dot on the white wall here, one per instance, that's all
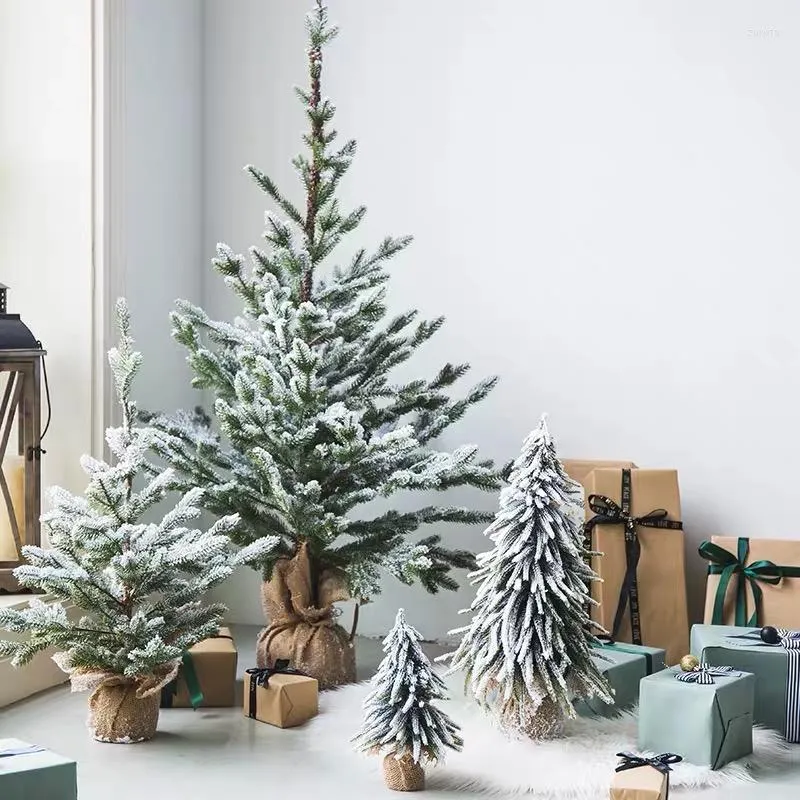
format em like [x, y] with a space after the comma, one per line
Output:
[162, 185]
[46, 206]
[604, 199]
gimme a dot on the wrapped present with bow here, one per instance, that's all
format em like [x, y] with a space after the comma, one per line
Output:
[706, 711]
[636, 535]
[624, 665]
[641, 778]
[772, 655]
[207, 676]
[29, 772]
[280, 695]
[752, 582]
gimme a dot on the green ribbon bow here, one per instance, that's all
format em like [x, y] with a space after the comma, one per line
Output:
[726, 565]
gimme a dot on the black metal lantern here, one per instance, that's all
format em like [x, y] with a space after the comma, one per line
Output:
[21, 366]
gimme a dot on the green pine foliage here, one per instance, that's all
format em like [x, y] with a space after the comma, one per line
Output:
[140, 583]
[312, 423]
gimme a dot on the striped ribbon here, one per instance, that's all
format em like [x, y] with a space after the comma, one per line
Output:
[790, 641]
[705, 674]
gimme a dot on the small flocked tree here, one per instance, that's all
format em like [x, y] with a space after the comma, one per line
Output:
[401, 721]
[526, 653]
[313, 423]
[140, 583]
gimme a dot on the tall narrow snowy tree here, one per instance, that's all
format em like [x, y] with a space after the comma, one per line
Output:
[401, 721]
[313, 423]
[526, 653]
[141, 584]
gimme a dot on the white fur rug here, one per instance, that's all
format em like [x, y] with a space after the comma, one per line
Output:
[578, 767]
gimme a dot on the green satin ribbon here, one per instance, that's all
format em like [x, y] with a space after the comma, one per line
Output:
[189, 674]
[726, 565]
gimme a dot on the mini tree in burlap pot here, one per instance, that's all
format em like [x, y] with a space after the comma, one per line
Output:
[311, 421]
[401, 723]
[139, 583]
[527, 653]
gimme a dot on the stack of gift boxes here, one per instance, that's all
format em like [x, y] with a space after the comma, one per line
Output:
[699, 692]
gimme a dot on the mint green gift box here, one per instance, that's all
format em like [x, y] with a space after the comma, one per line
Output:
[709, 725]
[770, 665]
[624, 665]
[35, 776]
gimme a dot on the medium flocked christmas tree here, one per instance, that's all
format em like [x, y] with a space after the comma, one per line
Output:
[140, 583]
[313, 423]
[401, 722]
[526, 653]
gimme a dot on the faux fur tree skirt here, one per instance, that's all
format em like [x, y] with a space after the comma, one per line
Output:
[578, 767]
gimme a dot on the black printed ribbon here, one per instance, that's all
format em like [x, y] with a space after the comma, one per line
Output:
[607, 512]
[259, 676]
[662, 763]
[705, 674]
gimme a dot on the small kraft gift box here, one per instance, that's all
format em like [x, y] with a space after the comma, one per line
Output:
[752, 582]
[29, 772]
[707, 712]
[280, 696]
[639, 778]
[773, 656]
[638, 530]
[624, 665]
[207, 677]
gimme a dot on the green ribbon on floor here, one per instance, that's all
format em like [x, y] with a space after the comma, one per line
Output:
[189, 675]
[726, 565]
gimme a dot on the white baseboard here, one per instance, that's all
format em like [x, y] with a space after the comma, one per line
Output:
[40, 674]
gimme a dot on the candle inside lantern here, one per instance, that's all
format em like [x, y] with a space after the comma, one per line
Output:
[14, 472]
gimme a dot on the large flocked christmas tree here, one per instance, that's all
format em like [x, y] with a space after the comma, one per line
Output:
[139, 580]
[526, 654]
[313, 423]
[401, 722]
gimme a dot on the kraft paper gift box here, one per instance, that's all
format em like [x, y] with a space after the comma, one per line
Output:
[214, 663]
[624, 665]
[35, 773]
[709, 725]
[777, 687]
[655, 607]
[647, 782]
[280, 698]
[752, 582]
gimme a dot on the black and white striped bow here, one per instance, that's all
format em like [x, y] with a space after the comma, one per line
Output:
[790, 640]
[705, 674]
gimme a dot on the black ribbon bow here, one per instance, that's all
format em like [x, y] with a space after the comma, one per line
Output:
[661, 763]
[607, 512]
[259, 676]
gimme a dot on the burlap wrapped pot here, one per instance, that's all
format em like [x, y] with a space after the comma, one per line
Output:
[403, 774]
[122, 709]
[302, 624]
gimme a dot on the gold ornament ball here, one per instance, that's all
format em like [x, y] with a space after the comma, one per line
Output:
[689, 663]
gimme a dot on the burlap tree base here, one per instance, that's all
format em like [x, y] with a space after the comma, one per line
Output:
[117, 714]
[547, 722]
[303, 626]
[403, 774]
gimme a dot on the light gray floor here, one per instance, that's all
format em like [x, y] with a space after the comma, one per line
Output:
[218, 755]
